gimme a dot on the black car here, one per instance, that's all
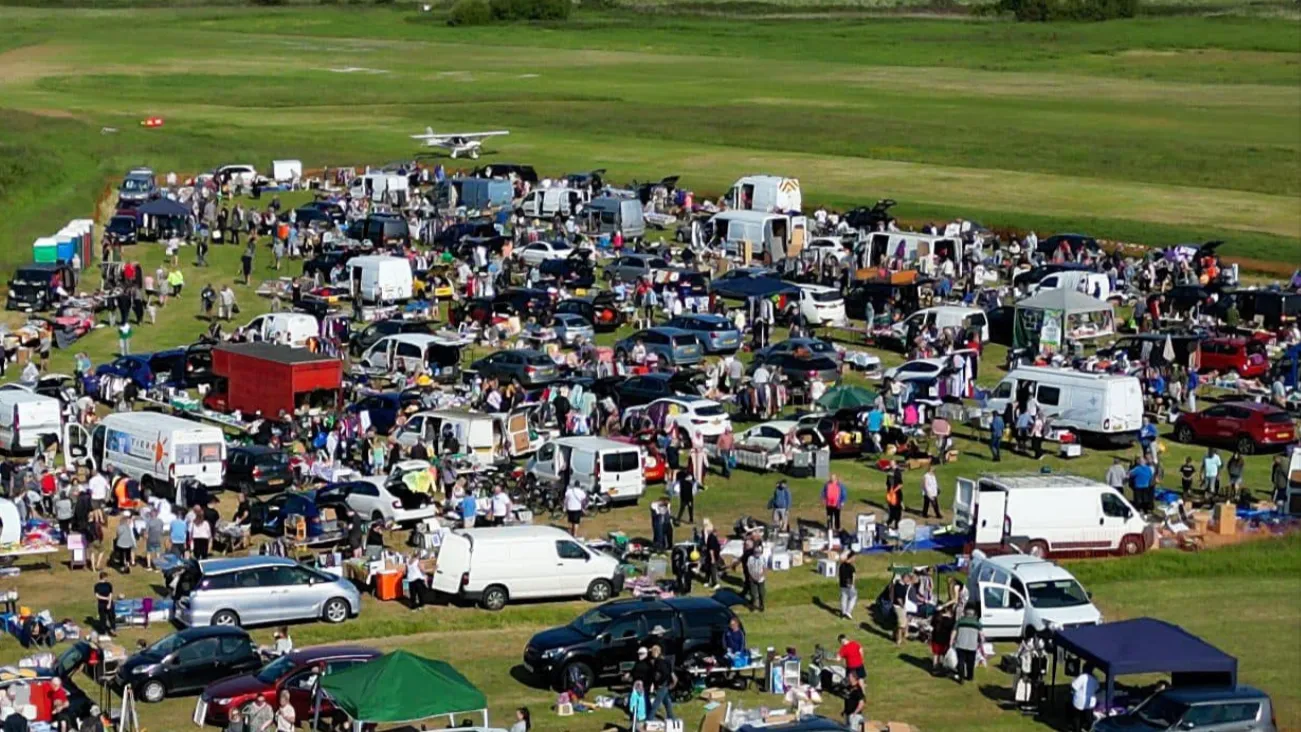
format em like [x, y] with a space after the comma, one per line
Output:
[601, 644]
[35, 286]
[377, 330]
[331, 209]
[187, 661]
[122, 229]
[257, 469]
[525, 173]
[870, 218]
[450, 236]
[799, 368]
[381, 229]
[906, 297]
[326, 261]
[600, 310]
[637, 390]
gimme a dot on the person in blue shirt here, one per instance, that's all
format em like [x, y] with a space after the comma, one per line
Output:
[469, 508]
[734, 638]
[1140, 481]
[1147, 439]
[996, 429]
[875, 423]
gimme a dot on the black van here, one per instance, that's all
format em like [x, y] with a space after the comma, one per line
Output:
[36, 286]
[381, 230]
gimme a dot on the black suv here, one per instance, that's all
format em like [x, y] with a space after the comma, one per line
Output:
[188, 661]
[256, 470]
[601, 644]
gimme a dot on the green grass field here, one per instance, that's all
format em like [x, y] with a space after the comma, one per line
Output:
[1157, 130]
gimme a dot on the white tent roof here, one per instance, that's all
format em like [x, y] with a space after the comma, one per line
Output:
[1065, 299]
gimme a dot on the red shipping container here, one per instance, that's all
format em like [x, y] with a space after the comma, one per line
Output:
[269, 378]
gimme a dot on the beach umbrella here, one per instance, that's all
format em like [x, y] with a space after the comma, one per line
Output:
[847, 397]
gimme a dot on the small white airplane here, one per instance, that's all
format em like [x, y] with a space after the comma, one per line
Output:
[460, 143]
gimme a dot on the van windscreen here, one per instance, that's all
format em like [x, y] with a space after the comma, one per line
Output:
[621, 462]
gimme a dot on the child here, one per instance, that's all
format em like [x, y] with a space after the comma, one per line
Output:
[637, 707]
[124, 338]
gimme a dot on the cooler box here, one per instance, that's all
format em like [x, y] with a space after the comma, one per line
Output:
[388, 585]
[45, 250]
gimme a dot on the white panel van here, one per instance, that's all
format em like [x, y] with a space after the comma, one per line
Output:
[1093, 284]
[288, 328]
[543, 203]
[25, 417]
[596, 464]
[156, 449]
[493, 566]
[944, 316]
[1049, 514]
[380, 279]
[1018, 592]
[1102, 407]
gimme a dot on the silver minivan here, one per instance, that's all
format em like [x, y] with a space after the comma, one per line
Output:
[249, 591]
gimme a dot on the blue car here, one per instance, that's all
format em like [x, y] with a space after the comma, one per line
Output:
[383, 409]
[145, 369]
[716, 333]
[673, 346]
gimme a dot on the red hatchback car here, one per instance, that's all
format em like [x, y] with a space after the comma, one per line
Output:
[1246, 356]
[1247, 426]
[294, 672]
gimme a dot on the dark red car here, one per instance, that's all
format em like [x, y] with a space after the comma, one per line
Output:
[295, 672]
[1247, 426]
[1246, 356]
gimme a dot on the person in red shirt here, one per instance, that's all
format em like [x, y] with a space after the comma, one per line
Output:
[48, 488]
[852, 654]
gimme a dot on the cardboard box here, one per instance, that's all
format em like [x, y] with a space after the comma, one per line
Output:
[797, 558]
[1226, 519]
[715, 695]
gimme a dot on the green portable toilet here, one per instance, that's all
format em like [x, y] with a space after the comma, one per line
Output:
[45, 250]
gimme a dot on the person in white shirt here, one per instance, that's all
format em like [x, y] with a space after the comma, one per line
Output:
[417, 583]
[1084, 697]
[501, 506]
[98, 490]
[575, 502]
[931, 493]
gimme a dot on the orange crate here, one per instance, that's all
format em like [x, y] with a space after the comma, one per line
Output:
[388, 585]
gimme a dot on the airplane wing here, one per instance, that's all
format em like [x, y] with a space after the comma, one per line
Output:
[431, 135]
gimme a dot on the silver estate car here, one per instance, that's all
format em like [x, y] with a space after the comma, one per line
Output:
[249, 591]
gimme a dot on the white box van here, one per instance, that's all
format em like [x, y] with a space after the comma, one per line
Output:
[765, 193]
[391, 187]
[943, 316]
[820, 305]
[543, 203]
[25, 417]
[286, 171]
[493, 566]
[293, 329]
[596, 464]
[1017, 592]
[487, 438]
[770, 234]
[1049, 514]
[156, 449]
[1093, 284]
[376, 278]
[1102, 407]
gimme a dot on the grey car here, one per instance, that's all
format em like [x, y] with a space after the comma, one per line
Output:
[261, 590]
[799, 369]
[631, 267]
[673, 346]
[716, 333]
[526, 367]
[815, 346]
[570, 327]
[1201, 708]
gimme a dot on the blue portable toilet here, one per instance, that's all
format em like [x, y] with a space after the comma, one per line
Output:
[67, 243]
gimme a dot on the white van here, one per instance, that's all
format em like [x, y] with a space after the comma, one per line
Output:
[26, 417]
[408, 352]
[543, 203]
[1017, 592]
[1093, 284]
[378, 187]
[286, 171]
[771, 234]
[1104, 407]
[596, 464]
[944, 316]
[493, 566]
[293, 329]
[155, 449]
[1047, 514]
[765, 193]
[482, 437]
[912, 246]
[820, 305]
[377, 278]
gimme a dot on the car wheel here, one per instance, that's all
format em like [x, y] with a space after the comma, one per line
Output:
[1131, 545]
[225, 617]
[1184, 433]
[1246, 445]
[1038, 549]
[153, 692]
[494, 598]
[377, 517]
[600, 590]
[577, 671]
[335, 611]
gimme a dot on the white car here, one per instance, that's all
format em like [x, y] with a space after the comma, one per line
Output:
[690, 414]
[766, 437]
[820, 305]
[828, 246]
[539, 251]
[387, 499]
[922, 369]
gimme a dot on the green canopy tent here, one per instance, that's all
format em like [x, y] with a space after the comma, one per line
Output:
[402, 688]
[847, 397]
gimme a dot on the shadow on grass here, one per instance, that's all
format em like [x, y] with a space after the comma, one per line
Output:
[528, 678]
[820, 603]
[921, 662]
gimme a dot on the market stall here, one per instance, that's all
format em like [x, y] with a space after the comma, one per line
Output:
[401, 688]
[163, 218]
[1054, 318]
[1147, 646]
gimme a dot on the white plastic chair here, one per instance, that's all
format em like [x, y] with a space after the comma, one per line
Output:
[907, 535]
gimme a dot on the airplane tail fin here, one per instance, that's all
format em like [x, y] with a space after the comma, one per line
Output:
[429, 130]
